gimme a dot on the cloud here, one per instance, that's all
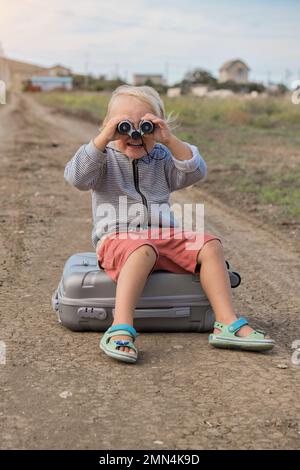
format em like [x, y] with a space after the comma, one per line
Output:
[141, 36]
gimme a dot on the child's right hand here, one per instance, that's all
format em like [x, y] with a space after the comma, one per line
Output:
[109, 132]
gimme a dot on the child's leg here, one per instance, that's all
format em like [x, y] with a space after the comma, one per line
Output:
[130, 285]
[216, 284]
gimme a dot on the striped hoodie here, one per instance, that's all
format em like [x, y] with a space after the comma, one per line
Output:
[126, 192]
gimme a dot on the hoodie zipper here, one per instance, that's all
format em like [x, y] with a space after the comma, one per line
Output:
[136, 182]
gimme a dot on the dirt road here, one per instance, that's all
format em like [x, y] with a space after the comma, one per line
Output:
[183, 394]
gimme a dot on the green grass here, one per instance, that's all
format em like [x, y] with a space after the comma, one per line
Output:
[259, 113]
[262, 113]
[283, 191]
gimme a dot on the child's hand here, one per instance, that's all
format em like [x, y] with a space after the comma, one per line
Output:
[161, 132]
[109, 132]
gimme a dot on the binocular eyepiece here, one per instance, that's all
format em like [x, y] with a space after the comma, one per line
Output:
[126, 127]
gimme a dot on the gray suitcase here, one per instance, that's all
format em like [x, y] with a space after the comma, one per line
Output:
[85, 299]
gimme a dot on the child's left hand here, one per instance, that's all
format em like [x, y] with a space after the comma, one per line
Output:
[161, 132]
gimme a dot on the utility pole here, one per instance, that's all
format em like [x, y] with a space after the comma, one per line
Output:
[167, 64]
[287, 77]
[116, 71]
[86, 79]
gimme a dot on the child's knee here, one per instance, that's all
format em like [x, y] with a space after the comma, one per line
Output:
[211, 248]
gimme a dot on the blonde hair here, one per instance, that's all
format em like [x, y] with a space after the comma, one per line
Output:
[148, 95]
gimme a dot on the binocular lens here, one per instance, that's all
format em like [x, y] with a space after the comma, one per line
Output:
[124, 127]
[147, 127]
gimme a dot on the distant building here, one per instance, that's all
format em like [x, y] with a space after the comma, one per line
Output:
[59, 71]
[46, 83]
[142, 79]
[220, 94]
[234, 70]
[173, 92]
[199, 90]
[15, 72]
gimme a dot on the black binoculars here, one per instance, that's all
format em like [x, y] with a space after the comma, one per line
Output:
[126, 127]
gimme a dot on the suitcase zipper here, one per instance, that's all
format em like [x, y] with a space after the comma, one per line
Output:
[136, 184]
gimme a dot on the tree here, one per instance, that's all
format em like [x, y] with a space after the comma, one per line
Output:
[200, 76]
[194, 77]
[160, 88]
[241, 87]
[93, 83]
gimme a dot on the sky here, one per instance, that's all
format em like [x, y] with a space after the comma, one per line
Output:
[169, 37]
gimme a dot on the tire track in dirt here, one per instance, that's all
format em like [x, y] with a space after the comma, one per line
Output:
[183, 392]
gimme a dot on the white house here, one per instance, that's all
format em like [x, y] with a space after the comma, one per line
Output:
[141, 79]
[173, 92]
[234, 70]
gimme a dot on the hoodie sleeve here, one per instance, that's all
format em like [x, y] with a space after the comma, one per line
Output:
[183, 173]
[86, 167]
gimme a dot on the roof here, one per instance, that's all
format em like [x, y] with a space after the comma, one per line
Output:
[229, 64]
[58, 66]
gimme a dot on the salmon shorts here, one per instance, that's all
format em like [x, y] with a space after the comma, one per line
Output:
[176, 250]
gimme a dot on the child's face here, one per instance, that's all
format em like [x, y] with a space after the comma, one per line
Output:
[135, 110]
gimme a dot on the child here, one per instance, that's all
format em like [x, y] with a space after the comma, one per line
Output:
[144, 170]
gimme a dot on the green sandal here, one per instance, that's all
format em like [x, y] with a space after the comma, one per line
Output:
[227, 338]
[111, 348]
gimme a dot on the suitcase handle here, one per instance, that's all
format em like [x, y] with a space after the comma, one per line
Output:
[173, 312]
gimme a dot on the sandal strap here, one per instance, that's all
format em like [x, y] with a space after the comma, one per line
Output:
[126, 327]
[110, 335]
[232, 327]
[237, 325]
